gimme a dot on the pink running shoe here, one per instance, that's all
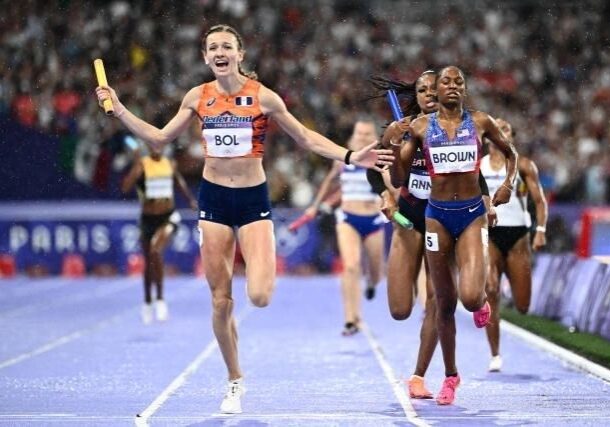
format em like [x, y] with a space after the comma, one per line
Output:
[447, 394]
[482, 316]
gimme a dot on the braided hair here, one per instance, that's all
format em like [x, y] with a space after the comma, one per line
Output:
[406, 92]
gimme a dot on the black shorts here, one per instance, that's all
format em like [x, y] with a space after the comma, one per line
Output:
[414, 210]
[234, 207]
[149, 224]
[505, 237]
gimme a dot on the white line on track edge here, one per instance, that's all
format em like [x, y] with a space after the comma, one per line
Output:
[142, 418]
[64, 339]
[558, 351]
[561, 353]
[397, 386]
[61, 341]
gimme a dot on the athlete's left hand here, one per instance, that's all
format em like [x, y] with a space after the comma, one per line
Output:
[372, 158]
[502, 195]
[539, 240]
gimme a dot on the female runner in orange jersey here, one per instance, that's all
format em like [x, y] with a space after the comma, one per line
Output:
[234, 110]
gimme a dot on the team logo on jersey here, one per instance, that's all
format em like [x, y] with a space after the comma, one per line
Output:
[463, 133]
[211, 102]
[244, 101]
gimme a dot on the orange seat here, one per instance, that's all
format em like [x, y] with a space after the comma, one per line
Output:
[135, 264]
[73, 265]
[7, 265]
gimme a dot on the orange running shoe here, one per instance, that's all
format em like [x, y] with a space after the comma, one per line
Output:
[482, 316]
[447, 394]
[417, 389]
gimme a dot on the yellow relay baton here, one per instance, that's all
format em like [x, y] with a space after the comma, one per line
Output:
[100, 73]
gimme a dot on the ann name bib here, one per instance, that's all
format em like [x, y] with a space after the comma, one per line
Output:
[227, 135]
[420, 184]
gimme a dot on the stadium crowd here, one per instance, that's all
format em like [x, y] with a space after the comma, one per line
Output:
[544, 66]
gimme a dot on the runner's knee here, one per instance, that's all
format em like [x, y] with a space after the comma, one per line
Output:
[351, 269]
[260, 298]
[471, 300]
[260, 291]
[222, 304]
[522, 306]
[401, 311]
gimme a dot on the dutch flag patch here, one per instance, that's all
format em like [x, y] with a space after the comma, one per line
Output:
[244, 101]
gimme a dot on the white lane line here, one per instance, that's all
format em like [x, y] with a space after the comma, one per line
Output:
[61, 341]
[142, 418]
[45, 303]
[397, 386]
[65, 418]
[560, 352]
[70, 337]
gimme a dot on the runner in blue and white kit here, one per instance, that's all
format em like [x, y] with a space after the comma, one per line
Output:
[359, 227]
[407, 248]
[456, 221]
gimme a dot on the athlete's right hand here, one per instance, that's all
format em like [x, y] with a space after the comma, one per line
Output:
[388, 206]
[105, 92]
[311, 211]
[502, 195]
[395, 132]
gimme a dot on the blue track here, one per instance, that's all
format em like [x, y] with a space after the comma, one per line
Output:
[73, 352]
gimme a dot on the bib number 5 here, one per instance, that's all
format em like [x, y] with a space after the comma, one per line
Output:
[432, 241]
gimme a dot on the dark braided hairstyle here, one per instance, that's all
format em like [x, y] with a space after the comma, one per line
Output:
[222, 28]
[406, 92]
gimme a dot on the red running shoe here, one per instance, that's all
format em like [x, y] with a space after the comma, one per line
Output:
[447, 394]
[482, 316]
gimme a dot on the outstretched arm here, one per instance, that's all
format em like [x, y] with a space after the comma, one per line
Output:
[156, 138]
[529, 172]
[368, 157]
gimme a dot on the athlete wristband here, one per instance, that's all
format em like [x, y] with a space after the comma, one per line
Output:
[510, 188]
[541, 228]
[347, 156]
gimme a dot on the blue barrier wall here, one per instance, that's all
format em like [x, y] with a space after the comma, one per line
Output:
[573, 291]
[42, 234]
